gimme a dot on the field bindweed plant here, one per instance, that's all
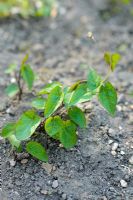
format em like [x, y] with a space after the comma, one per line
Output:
[53, 100]
[24, 75]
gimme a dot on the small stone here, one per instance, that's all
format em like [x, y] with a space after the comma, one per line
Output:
[53, 168]
[123, 183]
[122, 152]
[113, 153]
[48, 167]
[131, 160]
[45, 192]
[55, 184]
[110, 142]
[64, 196]
[12, 163]
[24, 161]
[115, 146]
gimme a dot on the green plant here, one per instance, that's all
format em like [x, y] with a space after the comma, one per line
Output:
[24, 74]
[60, 115]
[26, 8]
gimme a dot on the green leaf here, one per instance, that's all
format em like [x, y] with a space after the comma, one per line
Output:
[77, 116]
[26, 57]
[14, 141]
[49, 87]
[12, 90]
[107, 58]
[39, 103]
[37, 151]
[68, 135]
[78, 93]
[54, 100]
[53, 125]
[11, 69]
[115, 58]
[28, 75]
[74, 86]
[87, 97]
[112, 60]
[108, 97]
[27, 125]
[9, 129]
[93, 80]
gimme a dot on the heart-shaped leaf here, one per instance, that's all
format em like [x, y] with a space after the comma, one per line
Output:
[53, 125]
[28, 75]
[54, 100]
[68, 135]
[27, 125]
[108, 97]
[77, 116]
[37, 151]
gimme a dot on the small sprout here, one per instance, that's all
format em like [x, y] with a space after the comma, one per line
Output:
[24, 75]
[60, 115]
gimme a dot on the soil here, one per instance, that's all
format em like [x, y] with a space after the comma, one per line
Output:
[60, 50]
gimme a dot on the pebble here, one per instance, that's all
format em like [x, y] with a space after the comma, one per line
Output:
[122, 152]
[55, 184]
[113, 153]
[123, 183]
[131, 160]
[110, 142]
[115, 146]
[12, 163]
[64, 196]
[24, 161]
[48, 167]
[44, 192]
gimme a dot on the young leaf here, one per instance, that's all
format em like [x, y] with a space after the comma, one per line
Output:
[93, 80]
[54, 100]
[37, 150]
[38, 103]
[108, 97]
[78, 93]
[112, 60]
[26, 57]
[87, 97]
[53, 125]
[115, 58]
[12, 90]
[8, 130]
[68, 135]
[77, 116]
[11, 68]
[28, 75]
[27, 125]
[14, 141]
[74, 86]
[49, 87]
[107, 58]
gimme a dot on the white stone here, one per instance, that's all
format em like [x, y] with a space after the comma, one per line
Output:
[115, 146]
[48, 167]
[24, 161]
[113, 153]
[12, 162]
[122, 152]
[123, 183]
[55, 184]
[44, 192]
[131, 160]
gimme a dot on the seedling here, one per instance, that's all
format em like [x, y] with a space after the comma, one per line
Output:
[60, 115]
[24, 75]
